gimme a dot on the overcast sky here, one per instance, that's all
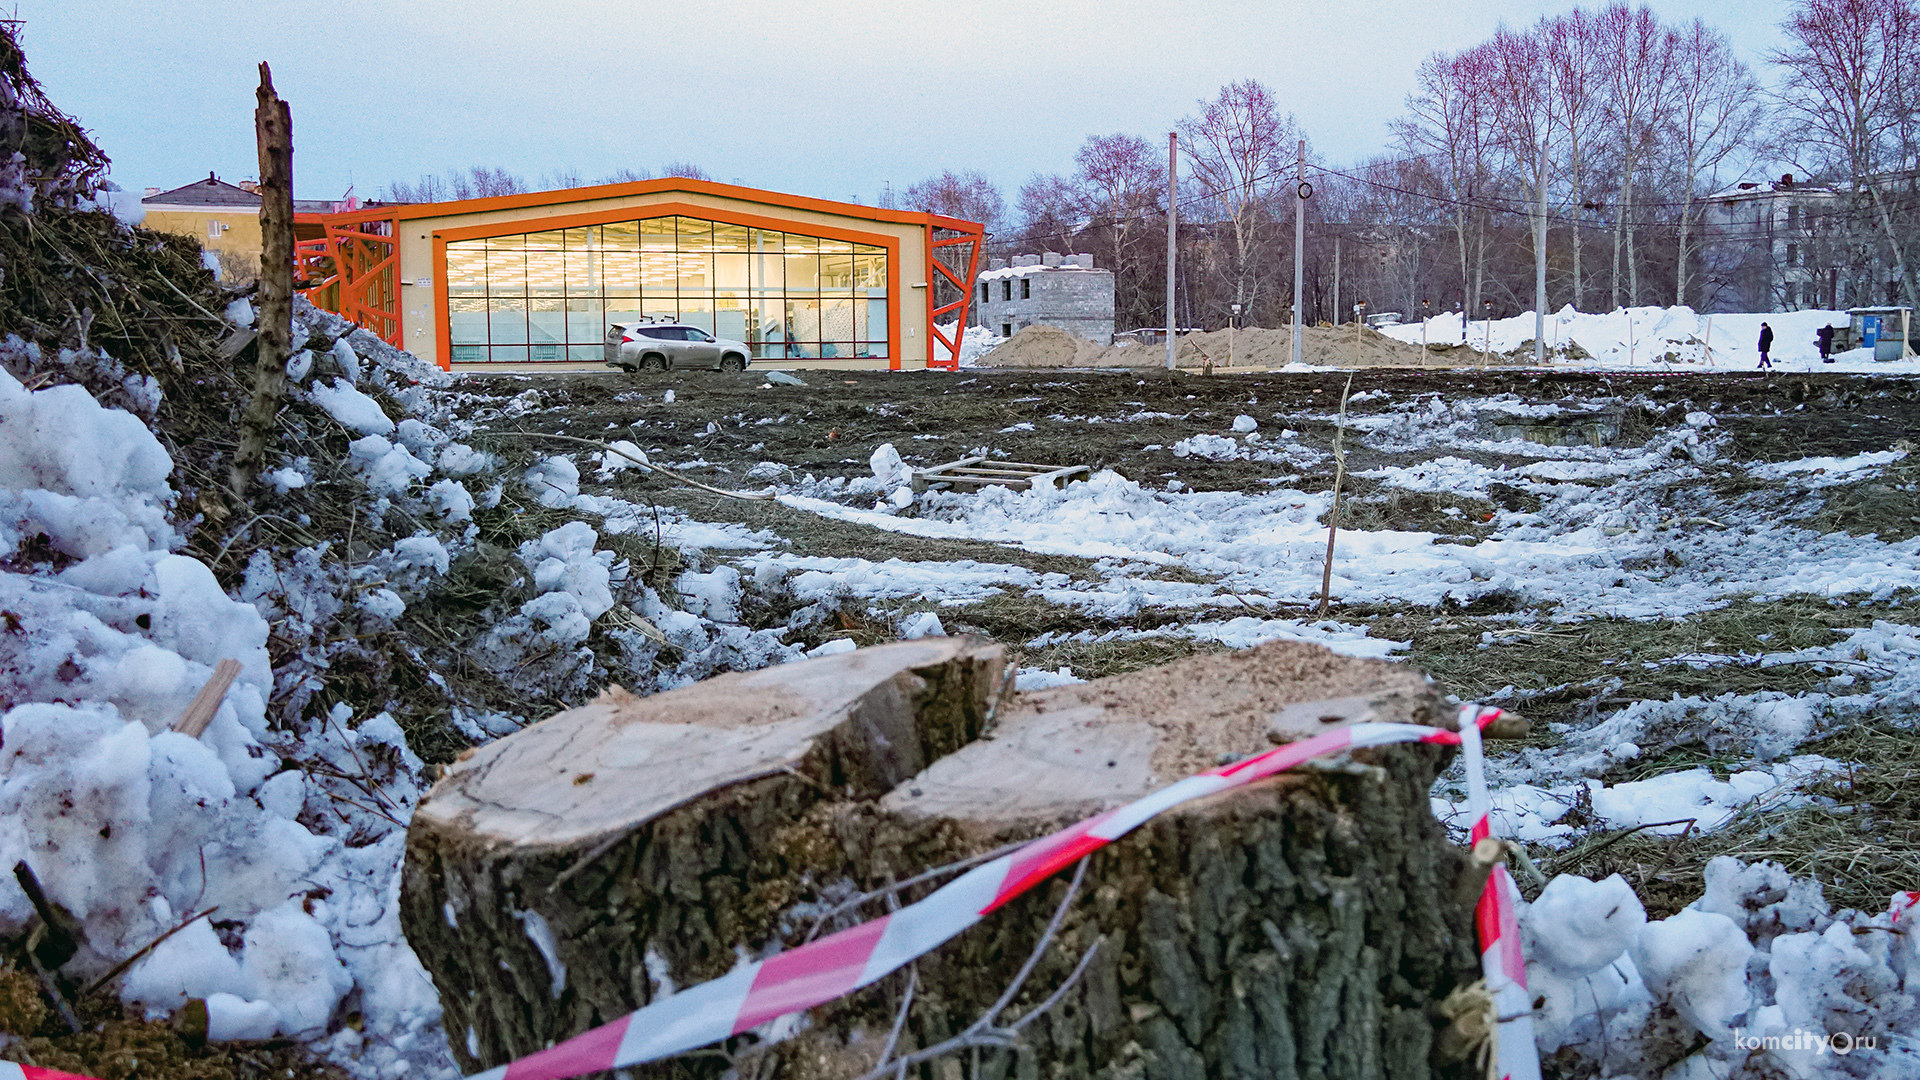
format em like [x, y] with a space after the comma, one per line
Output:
[825, 99]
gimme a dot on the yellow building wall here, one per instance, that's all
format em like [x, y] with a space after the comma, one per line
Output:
[240, 239]
[907, 286]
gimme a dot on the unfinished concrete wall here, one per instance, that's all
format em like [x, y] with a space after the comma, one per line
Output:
[1067, 292]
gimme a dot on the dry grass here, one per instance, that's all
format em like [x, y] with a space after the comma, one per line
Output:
[1859, 836]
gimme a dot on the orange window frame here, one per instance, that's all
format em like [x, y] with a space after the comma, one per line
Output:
[442, 237]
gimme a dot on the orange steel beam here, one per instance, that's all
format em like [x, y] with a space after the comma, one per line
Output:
[972, 234]
[364, 285]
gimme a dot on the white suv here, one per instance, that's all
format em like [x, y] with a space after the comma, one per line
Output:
[632, 346]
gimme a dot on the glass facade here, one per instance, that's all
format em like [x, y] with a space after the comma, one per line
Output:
[551, 295]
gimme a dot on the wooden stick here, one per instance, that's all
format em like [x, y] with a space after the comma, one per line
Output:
[193, 720]
[1333, 515]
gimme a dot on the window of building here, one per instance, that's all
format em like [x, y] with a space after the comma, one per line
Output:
[1026, 288]
[984, 286]
[552, 295]
[1006, 329]
[1793, 254]
[214, 228]
[1006, 289]
[1793, 217]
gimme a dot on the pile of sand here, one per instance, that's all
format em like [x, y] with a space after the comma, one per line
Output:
[1252, 346]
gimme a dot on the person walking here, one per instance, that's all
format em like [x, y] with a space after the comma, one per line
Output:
[1766, 343]
[1824, 336]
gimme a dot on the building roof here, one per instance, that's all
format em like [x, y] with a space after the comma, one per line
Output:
[563, 196]
[211, 192]
[214, 193]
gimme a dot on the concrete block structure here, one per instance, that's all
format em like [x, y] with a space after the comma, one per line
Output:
[1063, 291]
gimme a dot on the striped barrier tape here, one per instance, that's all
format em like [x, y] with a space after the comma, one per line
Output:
[818, 972]
[834, 966]
[1497, 918]
[10, 1071]
[1903, 903]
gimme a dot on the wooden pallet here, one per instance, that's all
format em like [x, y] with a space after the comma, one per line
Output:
[971, 472]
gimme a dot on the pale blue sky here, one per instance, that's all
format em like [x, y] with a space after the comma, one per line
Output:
[824, 99]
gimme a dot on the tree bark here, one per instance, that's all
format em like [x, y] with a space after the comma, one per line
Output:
[273, 130]
[1304, 926]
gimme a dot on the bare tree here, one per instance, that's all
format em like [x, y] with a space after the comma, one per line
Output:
[1715, 111]
[1124, 176]
[966, 195]
[686, 170]
[1572, 59]
[1637, 80]
[625, 175]
[1523, 105]
[1051, 209]
[1450, 120]
[1239, 150]
[1844, 94]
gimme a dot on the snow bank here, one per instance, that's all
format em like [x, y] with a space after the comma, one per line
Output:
[1654, 338]
[1758, 973]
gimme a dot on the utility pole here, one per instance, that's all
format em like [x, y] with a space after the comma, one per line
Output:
[1300, 193]
[1336, 279]
[1173, 212]
[1540, 264]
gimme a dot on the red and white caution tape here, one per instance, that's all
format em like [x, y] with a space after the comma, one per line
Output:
[1497, 917]
[1903, 903]
[752, 994]
[10, 1071]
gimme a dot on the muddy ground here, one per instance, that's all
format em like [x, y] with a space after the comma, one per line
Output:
[721, 426]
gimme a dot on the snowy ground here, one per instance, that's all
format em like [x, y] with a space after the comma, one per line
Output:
[1655, 339]
[1483, 522]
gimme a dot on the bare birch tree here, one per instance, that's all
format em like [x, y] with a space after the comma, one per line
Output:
[1716, 110]
[1638, 82]
[1571, 54]
[1238, 147]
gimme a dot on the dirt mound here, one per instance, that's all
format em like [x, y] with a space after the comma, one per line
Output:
[1323, 346]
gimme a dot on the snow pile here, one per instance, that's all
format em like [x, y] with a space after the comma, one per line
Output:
[133, 827]
[89, 479]
[1758, 977]
[1654, 338]
[978, 342]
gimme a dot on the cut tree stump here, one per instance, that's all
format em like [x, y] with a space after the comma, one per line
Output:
[550, 872]
[1301, 927]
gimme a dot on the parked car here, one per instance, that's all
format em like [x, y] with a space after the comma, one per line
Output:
[1384, 318]
[632, 346]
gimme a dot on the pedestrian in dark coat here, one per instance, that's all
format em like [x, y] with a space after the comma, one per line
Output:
[1766, 343]
[1824, 336]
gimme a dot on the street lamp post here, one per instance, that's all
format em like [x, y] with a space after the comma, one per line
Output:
[1233, 324]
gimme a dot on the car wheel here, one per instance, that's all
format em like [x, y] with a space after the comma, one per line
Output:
[733, 362]
[654, 362]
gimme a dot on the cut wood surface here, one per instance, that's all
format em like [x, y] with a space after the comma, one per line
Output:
[551, 870]
[1299, 927]
[623, 760]
[1075, 750]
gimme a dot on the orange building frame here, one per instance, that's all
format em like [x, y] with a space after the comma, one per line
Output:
[354, 270]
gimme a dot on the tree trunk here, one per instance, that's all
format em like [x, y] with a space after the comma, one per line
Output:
[1304, 926]
[273, 129]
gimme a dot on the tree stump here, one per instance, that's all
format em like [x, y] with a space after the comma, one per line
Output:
[1301, 927]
